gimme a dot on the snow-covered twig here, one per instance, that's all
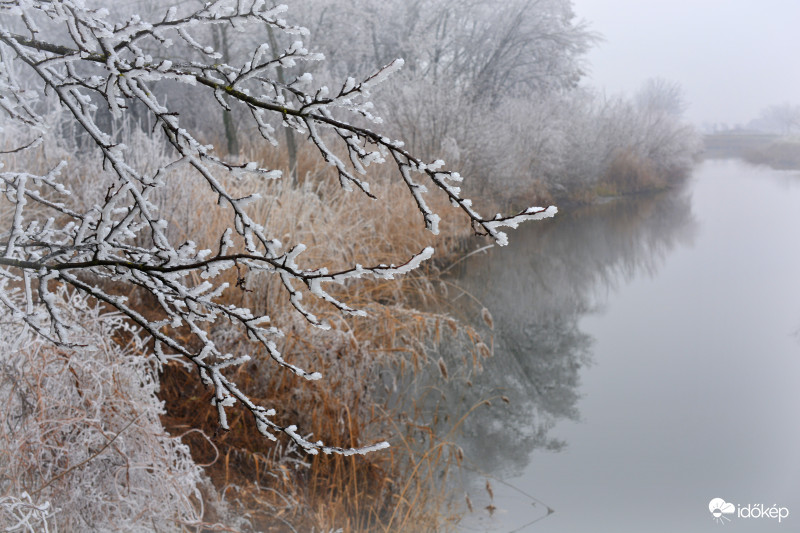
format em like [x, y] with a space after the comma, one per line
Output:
[99, 68]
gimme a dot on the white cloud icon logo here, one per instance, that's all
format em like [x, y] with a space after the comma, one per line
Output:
[719, 508]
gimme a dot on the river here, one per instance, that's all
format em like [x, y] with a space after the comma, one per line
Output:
[649, 353]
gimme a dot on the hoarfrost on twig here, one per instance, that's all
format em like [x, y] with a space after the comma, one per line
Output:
[123, 239]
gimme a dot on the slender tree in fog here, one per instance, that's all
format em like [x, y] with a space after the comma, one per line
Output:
[658, 96]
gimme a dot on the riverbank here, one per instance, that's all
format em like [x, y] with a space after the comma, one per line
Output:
[626, 176]
[382, 374]
[775, 151]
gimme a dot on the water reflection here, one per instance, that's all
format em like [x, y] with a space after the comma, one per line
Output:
[537, 291]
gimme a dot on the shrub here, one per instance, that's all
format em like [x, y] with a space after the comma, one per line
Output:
[81, 431]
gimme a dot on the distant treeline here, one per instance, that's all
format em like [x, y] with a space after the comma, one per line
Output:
[492, 87]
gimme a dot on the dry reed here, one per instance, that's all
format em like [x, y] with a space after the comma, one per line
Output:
[358, 401]
[376, 369]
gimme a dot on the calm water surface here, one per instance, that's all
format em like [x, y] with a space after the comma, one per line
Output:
[651, 355]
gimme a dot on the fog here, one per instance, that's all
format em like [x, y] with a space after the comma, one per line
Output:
[137, 140]
[732, 57]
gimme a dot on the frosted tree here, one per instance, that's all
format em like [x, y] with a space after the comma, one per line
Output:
[96, 69]
[782, 118]
[476, 70]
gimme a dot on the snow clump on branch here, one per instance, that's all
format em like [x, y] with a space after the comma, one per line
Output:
[98, 71]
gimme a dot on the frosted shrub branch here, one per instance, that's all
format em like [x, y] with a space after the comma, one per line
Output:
[95, 67]
[24, 515]
[81, 429]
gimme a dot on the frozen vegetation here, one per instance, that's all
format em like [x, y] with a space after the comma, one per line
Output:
[213, 193]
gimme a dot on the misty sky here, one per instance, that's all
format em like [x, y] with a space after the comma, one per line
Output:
[732, 57]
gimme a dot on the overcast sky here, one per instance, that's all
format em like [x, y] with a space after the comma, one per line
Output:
[732, 57]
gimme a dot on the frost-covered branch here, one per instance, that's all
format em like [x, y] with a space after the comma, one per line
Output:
[97, 70]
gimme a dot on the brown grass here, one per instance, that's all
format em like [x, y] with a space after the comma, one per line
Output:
[378, 371]
[628, 173]
[400, 489]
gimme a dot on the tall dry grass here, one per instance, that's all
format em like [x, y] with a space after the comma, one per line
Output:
[629, 173]
[381, 372]
[378, 371]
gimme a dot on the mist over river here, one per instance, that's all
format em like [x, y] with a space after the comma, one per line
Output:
[649, 351]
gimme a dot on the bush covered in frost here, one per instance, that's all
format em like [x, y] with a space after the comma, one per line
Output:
[81, 442]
